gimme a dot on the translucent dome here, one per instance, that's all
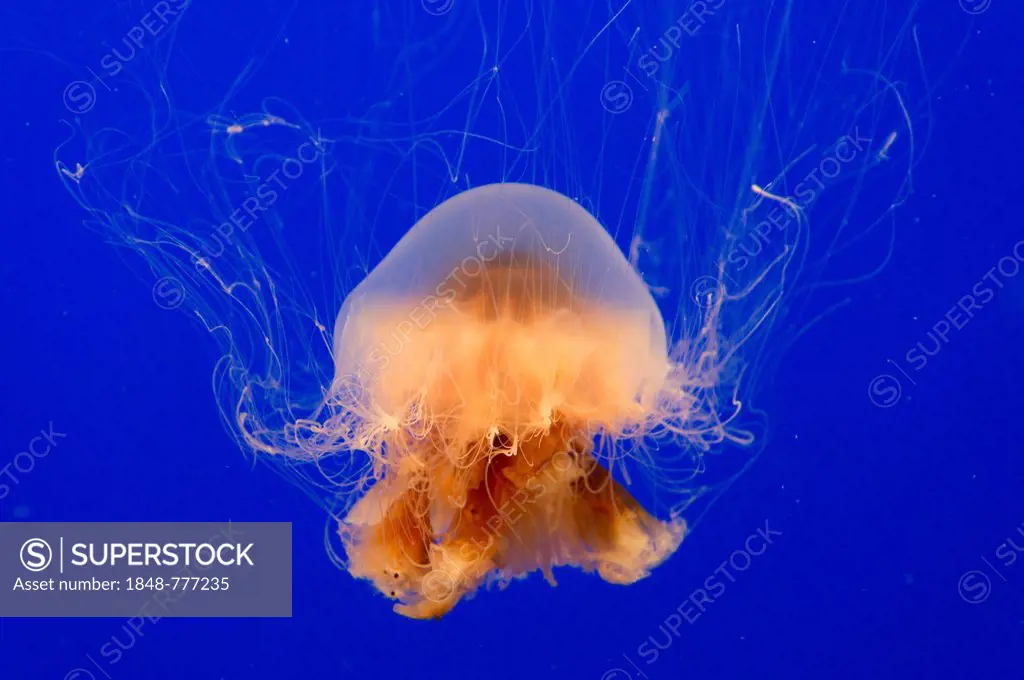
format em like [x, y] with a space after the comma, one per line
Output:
[517, 262]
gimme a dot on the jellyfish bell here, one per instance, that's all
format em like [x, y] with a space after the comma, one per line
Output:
[510, 262]
[500, 336]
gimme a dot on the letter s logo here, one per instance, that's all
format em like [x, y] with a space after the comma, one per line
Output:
[36, 554]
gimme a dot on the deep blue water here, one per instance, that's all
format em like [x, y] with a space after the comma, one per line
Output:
[882, 510]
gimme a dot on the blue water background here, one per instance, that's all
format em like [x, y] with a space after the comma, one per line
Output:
[881, 510]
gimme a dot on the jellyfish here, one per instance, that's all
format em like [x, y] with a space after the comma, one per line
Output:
[569, 357]
[499, 338]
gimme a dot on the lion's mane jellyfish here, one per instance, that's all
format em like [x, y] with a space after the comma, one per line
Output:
[492, 365]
